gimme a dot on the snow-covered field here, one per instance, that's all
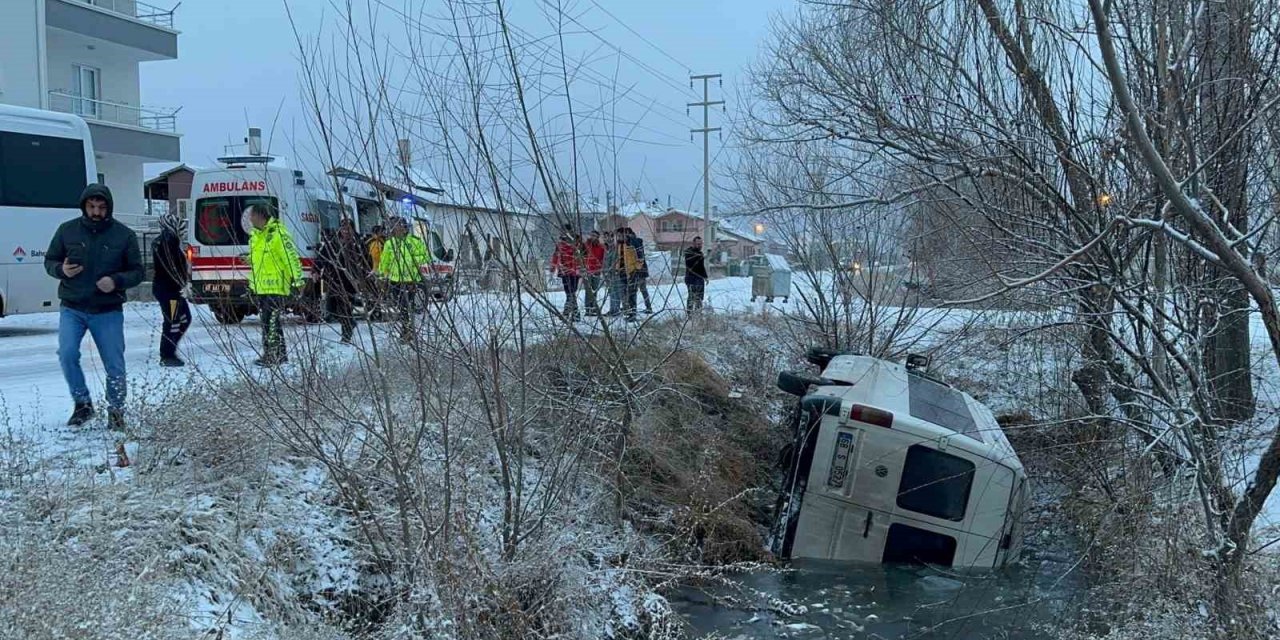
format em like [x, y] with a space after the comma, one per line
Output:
[34, 404]
[34, 401]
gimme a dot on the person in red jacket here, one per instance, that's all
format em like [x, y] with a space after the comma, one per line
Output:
[566, 263]
[593, 252]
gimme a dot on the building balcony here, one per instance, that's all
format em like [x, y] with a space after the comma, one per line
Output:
[140, 26]
[137, 10]
[124, 129]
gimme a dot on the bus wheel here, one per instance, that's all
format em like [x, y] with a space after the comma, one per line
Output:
[228, 314]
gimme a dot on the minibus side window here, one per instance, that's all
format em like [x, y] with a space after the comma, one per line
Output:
[935, 483]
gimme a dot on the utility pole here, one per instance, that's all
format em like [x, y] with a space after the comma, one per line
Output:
[709, 230]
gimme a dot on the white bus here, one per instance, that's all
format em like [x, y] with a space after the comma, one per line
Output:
[46, 160]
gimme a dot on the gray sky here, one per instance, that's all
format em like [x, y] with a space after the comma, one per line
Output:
[238, 67]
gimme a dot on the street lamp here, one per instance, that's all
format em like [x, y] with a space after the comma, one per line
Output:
[1104, 200]
[759, 228]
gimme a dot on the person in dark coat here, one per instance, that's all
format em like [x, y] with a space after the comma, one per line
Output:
[640, 278]
[95, 259]
[343, 265]
[695, 275]
[168, 285]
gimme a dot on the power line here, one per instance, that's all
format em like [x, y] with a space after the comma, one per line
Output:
[670, 80]
[642, 38]
[602, 79]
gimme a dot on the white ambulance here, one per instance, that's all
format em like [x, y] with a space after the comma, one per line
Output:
[218, 230]
[889, 464]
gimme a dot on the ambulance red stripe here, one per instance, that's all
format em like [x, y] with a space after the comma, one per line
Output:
[207, 263]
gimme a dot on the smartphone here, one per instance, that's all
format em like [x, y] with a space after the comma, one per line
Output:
[76, 253]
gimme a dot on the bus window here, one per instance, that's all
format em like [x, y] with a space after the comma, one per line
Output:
[935, 483]
[41, 171]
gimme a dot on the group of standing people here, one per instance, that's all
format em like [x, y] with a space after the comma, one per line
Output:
[615, 260]
[378, 269]
[96, 259]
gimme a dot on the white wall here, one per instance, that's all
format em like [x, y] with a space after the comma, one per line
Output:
[20, 31]
[124, 178]
[117, 66]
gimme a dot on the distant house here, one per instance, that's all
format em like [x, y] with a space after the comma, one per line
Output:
[769, 237]
[672, 230]
[736, 243]
[169, 186]
[661, 229]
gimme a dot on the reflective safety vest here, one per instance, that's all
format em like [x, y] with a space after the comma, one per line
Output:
[274, 266]
[401, 258]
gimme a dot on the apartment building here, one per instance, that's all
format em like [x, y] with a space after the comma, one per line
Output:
[83, 57]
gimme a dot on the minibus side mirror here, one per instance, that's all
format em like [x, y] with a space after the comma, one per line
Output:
[821, 405]
[795, 383]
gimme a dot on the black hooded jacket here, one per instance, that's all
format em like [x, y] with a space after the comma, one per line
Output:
[105, 248]
[171, 266]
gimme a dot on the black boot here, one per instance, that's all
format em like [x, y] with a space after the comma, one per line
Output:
[82, 414]
[115, 419]
[171, 361]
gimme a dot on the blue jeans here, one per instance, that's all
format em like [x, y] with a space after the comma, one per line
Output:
[107, 330]
[617, 288]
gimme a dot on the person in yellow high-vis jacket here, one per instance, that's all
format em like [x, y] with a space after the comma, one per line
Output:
[403, 255]
[275, 274]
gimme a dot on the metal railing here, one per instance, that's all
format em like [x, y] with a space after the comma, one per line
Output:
[134, 9]
[90, 109]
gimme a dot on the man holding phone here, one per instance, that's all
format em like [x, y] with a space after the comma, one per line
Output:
[95, 259]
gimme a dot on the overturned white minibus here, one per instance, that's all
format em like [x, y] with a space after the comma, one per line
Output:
[889, 464]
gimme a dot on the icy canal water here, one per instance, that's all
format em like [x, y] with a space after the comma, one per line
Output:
[812, 601]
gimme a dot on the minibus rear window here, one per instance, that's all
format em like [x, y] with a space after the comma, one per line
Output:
[912, 545]
[935, 483]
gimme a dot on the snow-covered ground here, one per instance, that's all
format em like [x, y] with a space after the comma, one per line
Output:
[35, 402]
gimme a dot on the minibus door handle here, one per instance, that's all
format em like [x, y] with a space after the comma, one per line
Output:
[866, 529]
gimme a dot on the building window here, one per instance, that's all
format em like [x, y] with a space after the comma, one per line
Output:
[672, 225]
[88, 87]
[102, 178]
